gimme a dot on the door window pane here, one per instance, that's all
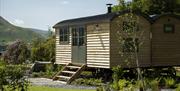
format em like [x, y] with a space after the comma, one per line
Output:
[78, 36]
[61, 38]
[75, 41]
[81, 41]
[81, 31]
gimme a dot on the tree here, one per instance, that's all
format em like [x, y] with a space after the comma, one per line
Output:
[131, 38]
[140, 5]
[43, 50]
[16, 53]
[150, 7]
[163, 6]
[122, 5]
[50, 48]
[37, 51]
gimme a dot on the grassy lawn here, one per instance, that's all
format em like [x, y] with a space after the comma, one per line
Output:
[40, 88]
[178, 73]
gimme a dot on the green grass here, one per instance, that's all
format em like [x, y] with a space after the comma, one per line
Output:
[178, 73]
[41, 88]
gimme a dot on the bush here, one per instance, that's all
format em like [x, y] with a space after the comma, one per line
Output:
[104, 88]
[178, 87]
[12, 76]
[49, 71]
[43, 50]
[16, 53]
[169, 82]
[117, 73]
[123, 85]
[90, 82]
[150, 84]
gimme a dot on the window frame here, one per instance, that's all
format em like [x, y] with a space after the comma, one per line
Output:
[169, 25]
[64, 36]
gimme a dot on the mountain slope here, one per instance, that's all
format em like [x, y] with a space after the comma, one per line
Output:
[41, 32]
[9, 32]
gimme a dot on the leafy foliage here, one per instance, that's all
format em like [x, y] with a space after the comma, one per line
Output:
[43, 50]
[163, 6]
[120, 83]
[169, 82]
[17, 53]
[153, 84]
[178, 87]
[50, 70]
[118, 73]
[91, 82]
[149, 6]
[141, 5]
[12, 76]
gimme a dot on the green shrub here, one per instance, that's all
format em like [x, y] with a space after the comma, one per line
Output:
[43, 50]
[104, 88]
[90, 82]
[12, 76]
[123, 85]
[118, 82]
[99, 88]
[178, 87]
[154, 84]
[117, 73]
[35, 74]
[169, 82]
[57, 67]
[50, 71]
[17, 53]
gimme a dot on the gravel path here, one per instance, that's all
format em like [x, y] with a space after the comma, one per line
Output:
[56, 84]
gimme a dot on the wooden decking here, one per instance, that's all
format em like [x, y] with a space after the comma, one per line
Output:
[69, 73]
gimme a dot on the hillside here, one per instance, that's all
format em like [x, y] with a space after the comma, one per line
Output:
[41, 32]
[9, 32]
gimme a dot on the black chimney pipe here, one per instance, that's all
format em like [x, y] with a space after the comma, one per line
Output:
[109, 8]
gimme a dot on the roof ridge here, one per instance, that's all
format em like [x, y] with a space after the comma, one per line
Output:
[107, 17]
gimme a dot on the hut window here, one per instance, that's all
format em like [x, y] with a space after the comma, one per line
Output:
[130, 26]
[81, 36]
[78, 36]
[168, 28]
[75, 38]
[64, 35]
[128, 45]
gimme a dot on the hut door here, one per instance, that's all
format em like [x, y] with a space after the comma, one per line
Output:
[78, 45]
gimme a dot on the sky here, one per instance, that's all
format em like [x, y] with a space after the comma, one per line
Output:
[42, 14]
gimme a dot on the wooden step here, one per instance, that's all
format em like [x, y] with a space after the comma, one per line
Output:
[79, 65]
[63, 82]
[75, 67]
[65, 77]
[70, 72]
[78, 72]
